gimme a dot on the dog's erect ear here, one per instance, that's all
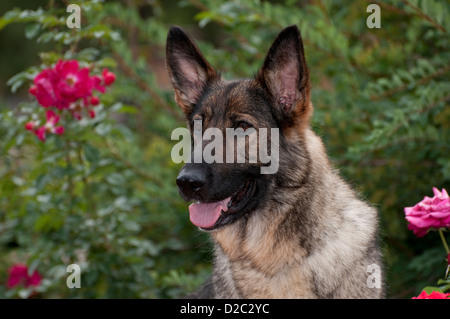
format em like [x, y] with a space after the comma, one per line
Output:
[284, 75]
[188, 69]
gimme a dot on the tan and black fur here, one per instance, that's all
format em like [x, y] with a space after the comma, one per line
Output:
[303, 233]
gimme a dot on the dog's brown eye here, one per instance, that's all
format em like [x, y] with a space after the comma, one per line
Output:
[244, 125]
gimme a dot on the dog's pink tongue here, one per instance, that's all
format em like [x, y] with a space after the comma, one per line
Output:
[205, 215]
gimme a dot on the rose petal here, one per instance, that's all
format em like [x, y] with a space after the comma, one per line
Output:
[420, 222]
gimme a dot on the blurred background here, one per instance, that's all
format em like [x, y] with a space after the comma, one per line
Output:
[104, 196]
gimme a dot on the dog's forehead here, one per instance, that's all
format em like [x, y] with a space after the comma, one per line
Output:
[240, 96]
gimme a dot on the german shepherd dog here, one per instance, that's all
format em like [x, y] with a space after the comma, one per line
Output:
[300, 232]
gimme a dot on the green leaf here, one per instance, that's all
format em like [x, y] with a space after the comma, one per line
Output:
[103, 129]
[89, 54]
[42, 180]
[131, 226]
[17, 80]
[16, 85]
[32, 30]
[430, 289]
[92, 154]
[107, 62]
[48, 222]
[128, 109]
[4, 22]
[9, 17]
[46, 37]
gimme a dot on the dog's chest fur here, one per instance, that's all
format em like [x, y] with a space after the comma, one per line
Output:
[255, 265]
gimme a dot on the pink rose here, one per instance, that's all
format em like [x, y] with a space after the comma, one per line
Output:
[66, 86]
[429, 213]
[432, 295]
[18, 275]
[66, 83]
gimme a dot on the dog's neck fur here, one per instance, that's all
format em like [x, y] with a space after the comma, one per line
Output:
[249, 242]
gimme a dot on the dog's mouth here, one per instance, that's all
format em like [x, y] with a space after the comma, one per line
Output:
[211, 216]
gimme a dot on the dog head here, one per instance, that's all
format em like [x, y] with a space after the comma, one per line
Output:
[278, 97]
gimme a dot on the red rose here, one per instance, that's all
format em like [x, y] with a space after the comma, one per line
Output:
[44, 88]
[432, 295]
[29, 126]
[108, 77]
[66, 86]
[66, 83]
[95, 100]
[18, 275]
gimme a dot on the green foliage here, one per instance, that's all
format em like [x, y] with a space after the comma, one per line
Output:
[103, 195]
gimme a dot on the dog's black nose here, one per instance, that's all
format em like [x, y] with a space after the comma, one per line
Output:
[192, 180]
